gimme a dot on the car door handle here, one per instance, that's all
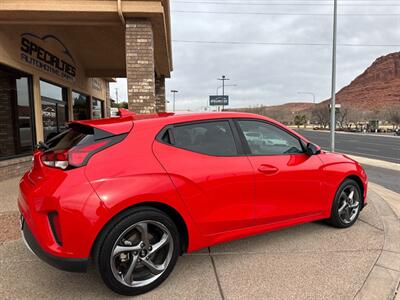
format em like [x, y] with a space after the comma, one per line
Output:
[267, 169]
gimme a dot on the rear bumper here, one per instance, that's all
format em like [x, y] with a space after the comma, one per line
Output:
[65, 264]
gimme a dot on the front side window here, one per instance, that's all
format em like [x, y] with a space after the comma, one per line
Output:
[212, 138]
[267, 139]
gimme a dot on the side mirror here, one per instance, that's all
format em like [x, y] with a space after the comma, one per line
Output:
[312, 149]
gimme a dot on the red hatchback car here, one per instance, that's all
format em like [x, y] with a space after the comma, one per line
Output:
[133, 193]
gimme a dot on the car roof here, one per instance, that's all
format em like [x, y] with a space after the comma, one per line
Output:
[126, 121]
[198, 116]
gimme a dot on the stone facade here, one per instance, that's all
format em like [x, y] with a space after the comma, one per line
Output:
[107, 104]
[160, 94]
[140, 66]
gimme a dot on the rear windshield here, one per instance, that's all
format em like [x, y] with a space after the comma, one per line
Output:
[77, 135]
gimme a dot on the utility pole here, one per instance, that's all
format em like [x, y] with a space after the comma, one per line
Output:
[333, 104]
[223, 79]
[173, 103]
[116, 95]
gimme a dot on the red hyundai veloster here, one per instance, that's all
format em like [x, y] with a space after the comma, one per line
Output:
[133, 193]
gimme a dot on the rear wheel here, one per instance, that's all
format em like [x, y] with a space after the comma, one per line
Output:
[346, 205]
[139, 252]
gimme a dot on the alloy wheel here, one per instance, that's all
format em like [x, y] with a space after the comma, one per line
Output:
[142, 253]
[349, 204]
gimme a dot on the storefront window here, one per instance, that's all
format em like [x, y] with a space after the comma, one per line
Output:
[97, 109]
[54, 109]
[81, 106]
[16, 121]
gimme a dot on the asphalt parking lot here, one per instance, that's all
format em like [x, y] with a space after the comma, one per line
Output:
[380, 147]
[310, 261]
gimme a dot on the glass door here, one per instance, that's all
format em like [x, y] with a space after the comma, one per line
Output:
[54, 109]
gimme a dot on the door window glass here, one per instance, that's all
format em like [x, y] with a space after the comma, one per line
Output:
[51, 91]
[267, 139]
[16, 121]
[97, 109]
[81, 106]
[212, 138]
[54, 109]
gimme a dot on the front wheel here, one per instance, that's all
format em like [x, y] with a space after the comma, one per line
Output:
[346, 206]
[139, 252]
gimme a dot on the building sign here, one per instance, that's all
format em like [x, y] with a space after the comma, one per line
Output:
[219, 100]
[48, 54]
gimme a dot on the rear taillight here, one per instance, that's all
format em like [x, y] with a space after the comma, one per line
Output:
[56, 159]
[79, 155]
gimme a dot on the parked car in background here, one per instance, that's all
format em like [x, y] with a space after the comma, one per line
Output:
[133, 193]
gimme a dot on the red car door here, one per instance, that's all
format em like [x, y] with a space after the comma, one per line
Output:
[216, 184]
[288, 182]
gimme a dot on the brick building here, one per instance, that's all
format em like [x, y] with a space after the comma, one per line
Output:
[57, 58]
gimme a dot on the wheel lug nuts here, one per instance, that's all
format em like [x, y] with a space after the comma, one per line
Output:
[135, 253]
[142, 245]
[150, 248]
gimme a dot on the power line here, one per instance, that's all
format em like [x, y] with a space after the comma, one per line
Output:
[281, 14]
[283, 4]
[282, 43]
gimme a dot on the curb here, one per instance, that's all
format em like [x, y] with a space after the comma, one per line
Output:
[383, 280]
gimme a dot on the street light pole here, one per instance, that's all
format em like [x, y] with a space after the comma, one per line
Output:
[116, 94]
[173, 103]
[223, 79]
[307, 93]
[333, 95]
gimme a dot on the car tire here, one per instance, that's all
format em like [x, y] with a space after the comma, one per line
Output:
[347, 205]
[127, 258]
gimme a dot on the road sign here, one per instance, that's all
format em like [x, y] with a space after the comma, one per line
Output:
[219, 100]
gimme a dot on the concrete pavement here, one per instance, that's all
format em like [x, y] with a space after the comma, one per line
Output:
[310, 261]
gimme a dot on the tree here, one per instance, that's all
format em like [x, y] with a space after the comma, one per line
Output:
[300, 120]
[342, 117]
[321, 115]
[393, 116]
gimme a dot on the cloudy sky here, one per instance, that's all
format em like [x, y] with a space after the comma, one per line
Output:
[272, 49]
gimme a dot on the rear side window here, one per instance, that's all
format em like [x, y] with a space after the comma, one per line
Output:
[212, 138]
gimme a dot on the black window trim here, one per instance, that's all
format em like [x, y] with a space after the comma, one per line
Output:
[235, 134]
[246, 147]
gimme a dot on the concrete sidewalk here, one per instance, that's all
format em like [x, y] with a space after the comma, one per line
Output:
[310, 261]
